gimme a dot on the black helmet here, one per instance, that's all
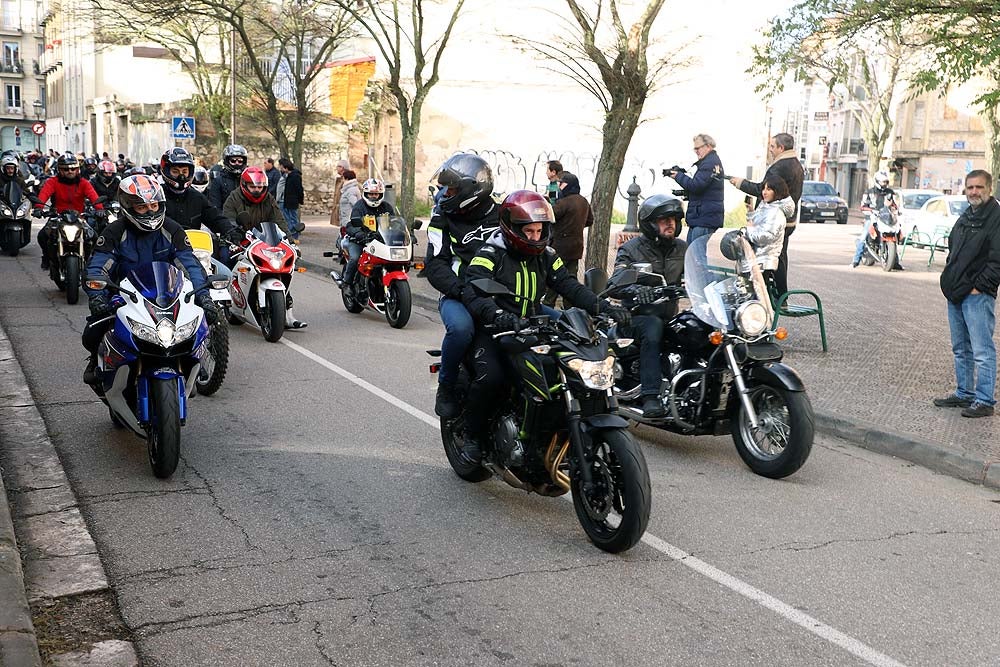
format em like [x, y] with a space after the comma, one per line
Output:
[68, 169]
[176, 157]
[234, 159]
[731, 246]
[657, 207]
[467, 181]
[89, 166]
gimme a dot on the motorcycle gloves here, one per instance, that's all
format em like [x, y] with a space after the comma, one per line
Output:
[235, 235]
[619, 314]
[204, 301]
[101, 307]
[505, 321]
[641, 294]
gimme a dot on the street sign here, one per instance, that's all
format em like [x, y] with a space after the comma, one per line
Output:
[182, 128]
[38, 128]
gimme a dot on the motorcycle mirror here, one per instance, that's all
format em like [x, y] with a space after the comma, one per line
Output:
[596, 279]
[417, 224]
[487, 287]
[623, 279]
[328, 253]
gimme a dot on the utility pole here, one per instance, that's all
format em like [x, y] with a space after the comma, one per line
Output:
[232, 86]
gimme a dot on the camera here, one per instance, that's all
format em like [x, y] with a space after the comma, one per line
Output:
[680, 193]
[680, 170]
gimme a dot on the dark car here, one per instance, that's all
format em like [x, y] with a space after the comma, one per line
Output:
[820, 202]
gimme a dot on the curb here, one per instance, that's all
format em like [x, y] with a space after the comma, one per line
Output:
[933, 456]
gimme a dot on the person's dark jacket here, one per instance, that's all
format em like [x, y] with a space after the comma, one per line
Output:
[221, 186]
[526, 277]
[452, 242]
[294, 193]
[788, 167]
[273, 175]
[249, 215]
[705, 193]
[121, 248]
[363, 213]
[667, 262]
[190, 209]
[973, 253]
[573, 213]
[110, 190]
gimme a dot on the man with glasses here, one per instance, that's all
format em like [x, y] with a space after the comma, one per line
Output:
[705, 210]
[68, 192]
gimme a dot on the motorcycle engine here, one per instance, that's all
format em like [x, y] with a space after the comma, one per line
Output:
[506, 435]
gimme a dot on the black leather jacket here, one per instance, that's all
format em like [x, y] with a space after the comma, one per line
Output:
[973, 253]
[190, 209]
[452, 242]
[667, 262]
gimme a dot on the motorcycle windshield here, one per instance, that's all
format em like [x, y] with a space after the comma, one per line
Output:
[12, 194]
[718, 285]
[269, 233]
[158, 282]
[578, 322]
[393, 231]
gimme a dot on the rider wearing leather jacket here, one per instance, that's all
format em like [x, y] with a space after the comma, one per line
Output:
[876, 198]
[660, 221]
[142, 234]
[362, 223]
[464, 217]
[68, 192]
[188, 207]
[106, 180]
[517, 256]
[227, 179]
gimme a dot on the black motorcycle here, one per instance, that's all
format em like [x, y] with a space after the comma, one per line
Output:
[721, 368]
[71, 242]
[556, 430]
[15, 218]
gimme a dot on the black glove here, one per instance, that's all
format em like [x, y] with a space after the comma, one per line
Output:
[617, 313]
[235, 235]
[101, 307]
[641, 294]
[37, 213]
[204, 301]
[505, 321]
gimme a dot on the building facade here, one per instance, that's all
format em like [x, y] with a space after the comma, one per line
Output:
[21, 74]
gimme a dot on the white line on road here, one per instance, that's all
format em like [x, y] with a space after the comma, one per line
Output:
[805, 621]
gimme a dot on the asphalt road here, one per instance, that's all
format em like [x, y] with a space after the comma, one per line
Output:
[312, 522]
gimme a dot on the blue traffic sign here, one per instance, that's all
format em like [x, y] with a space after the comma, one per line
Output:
[182, 128]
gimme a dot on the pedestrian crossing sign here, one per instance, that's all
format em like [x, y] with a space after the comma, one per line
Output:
[182, 128]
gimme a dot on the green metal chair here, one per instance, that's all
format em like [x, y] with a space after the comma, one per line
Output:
[939, 241]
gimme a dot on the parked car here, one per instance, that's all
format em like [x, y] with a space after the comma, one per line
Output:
[820, 202]
[941, 211]
[910, 201]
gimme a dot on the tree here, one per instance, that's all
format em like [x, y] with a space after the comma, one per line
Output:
[610, 62]
[868, 69]
[397, 43]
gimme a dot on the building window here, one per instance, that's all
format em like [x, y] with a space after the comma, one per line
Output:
[10, 14]
[11, 56]
[13, 96]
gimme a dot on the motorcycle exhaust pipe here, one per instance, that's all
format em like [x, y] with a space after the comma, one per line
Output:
[337, 278]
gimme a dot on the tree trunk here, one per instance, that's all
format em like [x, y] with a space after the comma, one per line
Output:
[992, 126]
[619, 127]
[407, 175]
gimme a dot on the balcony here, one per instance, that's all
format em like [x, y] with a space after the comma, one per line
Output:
[6, 29]
[16, 112]
[12, 67]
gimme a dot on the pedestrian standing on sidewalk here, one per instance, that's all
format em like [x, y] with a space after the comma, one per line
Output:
[573, 214]
[552, 171]
[350, 195]
[273, 175]
[706, 210]
[969, 282]
[338, 185]
[293, 196]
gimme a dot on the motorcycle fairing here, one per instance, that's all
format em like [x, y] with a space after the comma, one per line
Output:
[158, 282]
[389, 276]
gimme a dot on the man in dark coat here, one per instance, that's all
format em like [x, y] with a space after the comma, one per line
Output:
[784, 163]
[272, 176]
[706, 210]
[573, 213]
[969, 282]
[294, 195]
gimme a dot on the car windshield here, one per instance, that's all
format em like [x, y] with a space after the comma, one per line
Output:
[958, 207]
[820, 189]
[916, 201]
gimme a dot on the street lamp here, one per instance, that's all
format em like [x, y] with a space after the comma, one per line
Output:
[38, 106]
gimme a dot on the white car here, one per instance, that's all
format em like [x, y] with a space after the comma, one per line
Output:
[935, 219]
[910, 201]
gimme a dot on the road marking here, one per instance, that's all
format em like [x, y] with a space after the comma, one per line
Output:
[805, 621]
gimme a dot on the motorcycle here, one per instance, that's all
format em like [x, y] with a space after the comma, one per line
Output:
[149, 359]
[381, 282]
[215, 363]
[721, 370]
[262, 276]
[71, 242]
[15, 219]
[883, 237]
[556, 431]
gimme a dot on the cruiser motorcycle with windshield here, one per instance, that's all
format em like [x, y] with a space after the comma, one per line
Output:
[722, 372]
[557, 431]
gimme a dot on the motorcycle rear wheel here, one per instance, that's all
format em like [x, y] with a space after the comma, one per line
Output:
[614, 514]
[218, 349]
[163, 439]
[398, 303]
[453, 438]
[72, 279]
[272, 316]
[350, 303]
[782, 442]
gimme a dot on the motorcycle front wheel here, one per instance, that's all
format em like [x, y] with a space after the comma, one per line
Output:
[615, 511]
[163, 438]
[398, 303]
[889, 256]
[214, 368]
[782, 440]
[72, 279]
[272, 317]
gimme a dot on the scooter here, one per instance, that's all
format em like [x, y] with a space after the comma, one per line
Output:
[380, 283]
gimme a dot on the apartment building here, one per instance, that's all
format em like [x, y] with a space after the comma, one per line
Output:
[24, 93]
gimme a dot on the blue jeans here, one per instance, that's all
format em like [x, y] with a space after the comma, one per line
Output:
[648, 331]
[972, 323]
[860, 246]
[696, 233]
[292, 220]
[353, 255]
[458, 332]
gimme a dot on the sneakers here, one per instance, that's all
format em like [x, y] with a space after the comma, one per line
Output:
[652, 407]
[472, 453]
[978, 409]
[446, 403]
[854, 265]
[953, 401]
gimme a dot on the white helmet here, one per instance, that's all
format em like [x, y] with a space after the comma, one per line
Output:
[882, 179]
[373, 192]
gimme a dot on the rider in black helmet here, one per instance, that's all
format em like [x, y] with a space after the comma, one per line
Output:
[227, 179]
[660, 218]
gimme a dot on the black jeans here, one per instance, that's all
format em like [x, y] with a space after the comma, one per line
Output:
[781, 275]
[648, 331]
[489, 376]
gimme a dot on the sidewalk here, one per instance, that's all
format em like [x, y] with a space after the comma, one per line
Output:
[890, 350]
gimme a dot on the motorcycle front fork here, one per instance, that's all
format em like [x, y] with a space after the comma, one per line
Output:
[741, 386]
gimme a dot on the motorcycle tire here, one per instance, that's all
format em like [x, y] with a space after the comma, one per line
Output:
[781, 411]
[10, 246]
[72, 279]
[233, 319]
[350, 303]
[398, 304]
[867, 260]
[163, 437]
[218, 349]
[889, 258]
[272, 316]
[621, 486]
[453, 438]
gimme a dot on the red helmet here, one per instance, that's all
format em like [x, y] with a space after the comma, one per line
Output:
[253, 184]
[520, 208]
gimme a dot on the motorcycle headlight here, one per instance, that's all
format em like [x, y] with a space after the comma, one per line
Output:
[399, 254]
[595, 374]
[751, 318]
[5, 211]
[165, 332]
[143, 331]
[24, 208]
[70, 232]
[185, 331]
[274, 257]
